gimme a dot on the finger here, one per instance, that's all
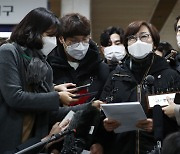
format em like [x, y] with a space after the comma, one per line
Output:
[169, 100]
[72, 90]
[70, 84]
[64, 123]
[164, 108]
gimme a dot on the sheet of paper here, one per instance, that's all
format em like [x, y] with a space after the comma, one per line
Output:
[160, 99]
[85, 152]
[69, 116]
[126, 113]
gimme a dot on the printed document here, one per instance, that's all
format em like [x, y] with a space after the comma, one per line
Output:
[128, 114]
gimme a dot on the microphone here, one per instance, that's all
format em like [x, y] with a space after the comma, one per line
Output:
[36, 148]
[84, 122]
[61, 134]
[158, 122]
[149, 84]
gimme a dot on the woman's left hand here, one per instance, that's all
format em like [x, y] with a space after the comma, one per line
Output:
[57, 128]
[146, 124]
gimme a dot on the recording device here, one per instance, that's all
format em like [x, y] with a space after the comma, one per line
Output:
[84, 121]
[158, 128]
[149, 84]
[158, 122]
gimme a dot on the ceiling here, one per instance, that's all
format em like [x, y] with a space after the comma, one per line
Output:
[161, 13]
[105, 13]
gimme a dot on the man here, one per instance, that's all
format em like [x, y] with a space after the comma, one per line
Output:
[77, 60]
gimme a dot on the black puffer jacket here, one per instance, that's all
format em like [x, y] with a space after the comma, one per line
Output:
[91, 69]
[121, 86]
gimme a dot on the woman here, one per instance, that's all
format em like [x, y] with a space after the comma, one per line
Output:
[27, 95]
[127, 84]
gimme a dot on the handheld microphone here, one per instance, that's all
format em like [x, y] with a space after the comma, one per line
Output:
[61, 134]
[158, 122]
[149, 83]
[35, 148]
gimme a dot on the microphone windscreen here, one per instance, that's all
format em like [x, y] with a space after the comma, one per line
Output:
[149, 80]
[82, 122]
[158, 123]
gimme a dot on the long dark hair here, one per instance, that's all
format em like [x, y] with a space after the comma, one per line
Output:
[29, 31]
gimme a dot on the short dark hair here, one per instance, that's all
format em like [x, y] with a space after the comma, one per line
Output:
[164, 47]
[74, 24]
[29, 31]
[135, 26]
[105, 35]
[175, 24]
[171, 144]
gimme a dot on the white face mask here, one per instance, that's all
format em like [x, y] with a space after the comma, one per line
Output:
[49, 43]
[139, 49]
[114, 52]
[77, 50]
[178, 40]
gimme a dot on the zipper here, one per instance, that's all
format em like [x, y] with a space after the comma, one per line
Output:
[121, 75]
[139, 87]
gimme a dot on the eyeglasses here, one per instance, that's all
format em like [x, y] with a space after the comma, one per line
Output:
[144, 38]
[75, 44]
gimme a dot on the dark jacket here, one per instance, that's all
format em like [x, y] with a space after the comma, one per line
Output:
[91, 69]
[121, 86]
[16, 102]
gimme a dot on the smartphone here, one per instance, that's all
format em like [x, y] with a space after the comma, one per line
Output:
[83, 86]
[86, 94]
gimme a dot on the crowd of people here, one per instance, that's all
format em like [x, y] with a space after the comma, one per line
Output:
[52, 68]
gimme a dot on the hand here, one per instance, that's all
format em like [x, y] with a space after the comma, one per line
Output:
[110, 124]
[65, 87]
[146, 124]
[96, 149]
[66, 98]
[169, 110]
[97, 104]
[57, 128]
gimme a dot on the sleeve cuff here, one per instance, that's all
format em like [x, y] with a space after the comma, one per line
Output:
[177, 113]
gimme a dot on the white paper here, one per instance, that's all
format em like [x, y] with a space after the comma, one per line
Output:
[160, 99]
[128, 114]
[68, 116]
[85, 152]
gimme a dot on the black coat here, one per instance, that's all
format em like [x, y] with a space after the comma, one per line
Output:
[121, 86]
[91, 69]
[16, 102]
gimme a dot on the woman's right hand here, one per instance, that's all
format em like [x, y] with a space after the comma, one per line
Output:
[110, 124]
[70, 87]
[66, 98]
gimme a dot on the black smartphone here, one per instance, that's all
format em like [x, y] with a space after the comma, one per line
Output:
[83, 86]
[86, 94]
